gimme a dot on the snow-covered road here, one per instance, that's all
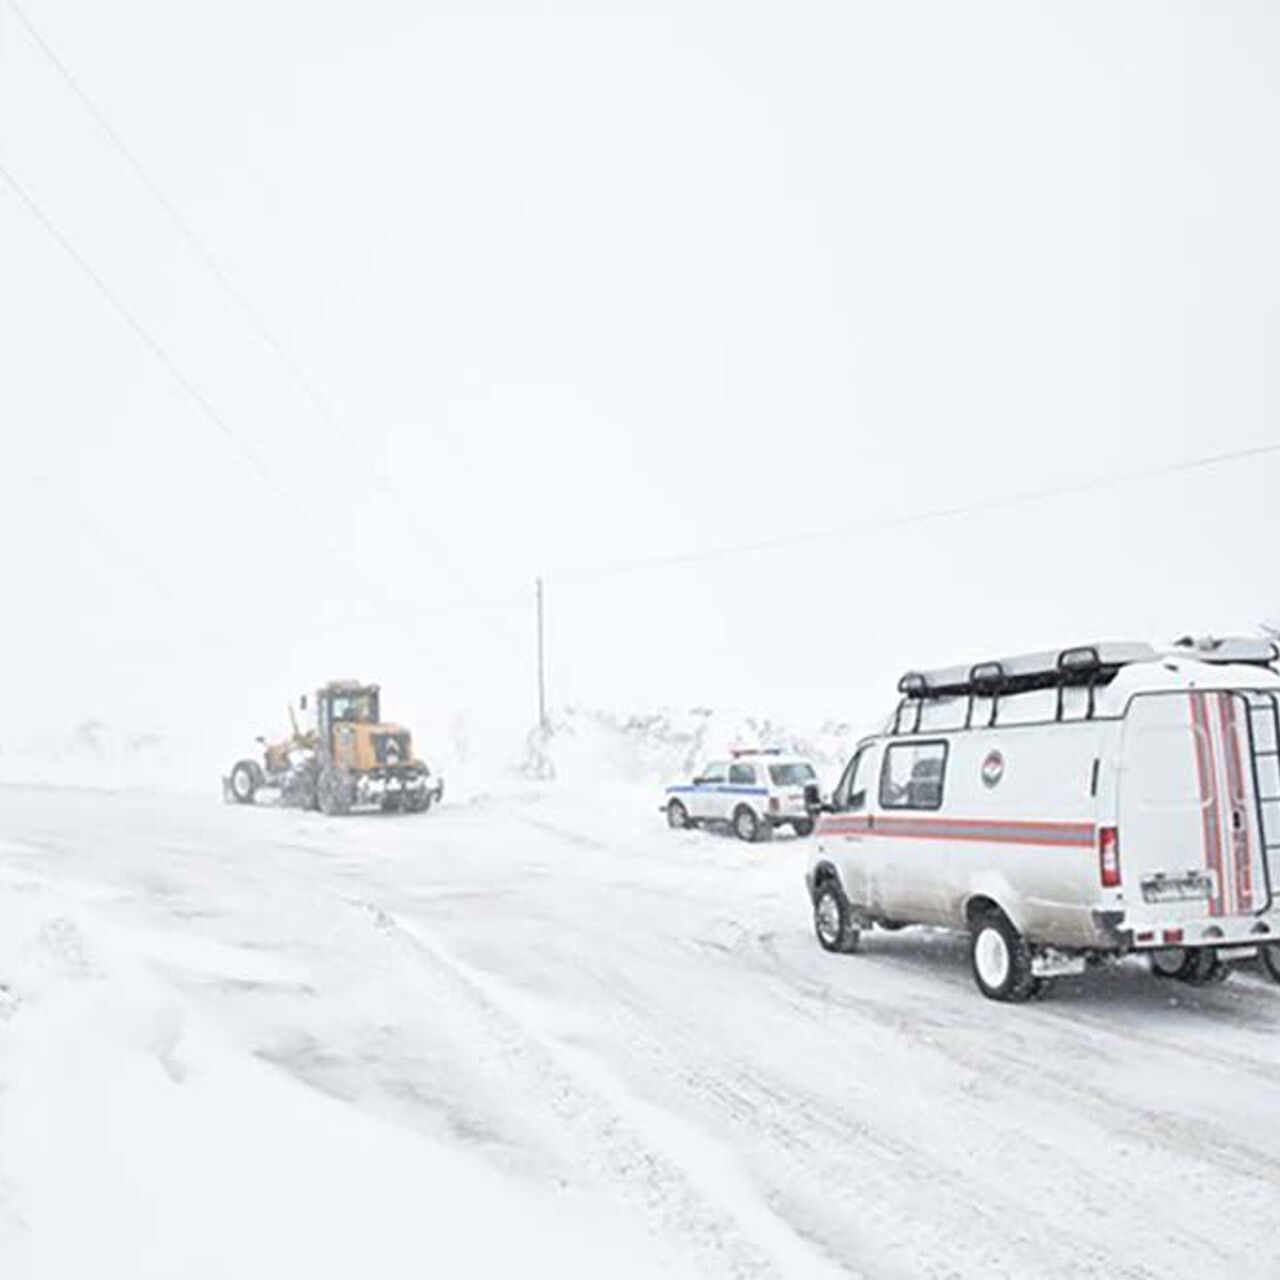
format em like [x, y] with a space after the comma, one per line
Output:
[542, 1033]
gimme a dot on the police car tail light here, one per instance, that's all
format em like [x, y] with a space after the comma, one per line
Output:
[1109, 857]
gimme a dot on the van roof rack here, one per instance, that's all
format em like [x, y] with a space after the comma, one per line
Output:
[1081, 664]
[1248, 650]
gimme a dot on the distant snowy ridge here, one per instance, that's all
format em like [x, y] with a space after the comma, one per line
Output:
[93, 753]
[583, 744]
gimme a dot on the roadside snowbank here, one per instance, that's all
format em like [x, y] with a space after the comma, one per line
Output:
[600, 747]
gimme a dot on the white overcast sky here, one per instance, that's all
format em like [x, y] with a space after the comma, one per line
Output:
[587, 283]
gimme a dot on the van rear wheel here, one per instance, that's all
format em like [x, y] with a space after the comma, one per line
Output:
[1196, 966]
[1001, 960]
[1207, 968]
[1269, 956]
[1171, 962]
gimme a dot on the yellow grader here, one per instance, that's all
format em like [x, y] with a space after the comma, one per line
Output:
[349, 760]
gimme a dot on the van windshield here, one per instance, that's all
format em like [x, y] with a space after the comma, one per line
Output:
[791, 775]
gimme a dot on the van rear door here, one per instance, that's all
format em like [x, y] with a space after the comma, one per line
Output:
[1191, 826]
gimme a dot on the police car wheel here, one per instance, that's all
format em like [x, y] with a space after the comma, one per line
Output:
[1001, 960]
[833, 920]
[803, 826]
[1269, 958]
[677, 816]
[746, 826]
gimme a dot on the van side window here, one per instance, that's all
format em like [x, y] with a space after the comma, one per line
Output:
[851, 793]
[913, 775]
[742, 775]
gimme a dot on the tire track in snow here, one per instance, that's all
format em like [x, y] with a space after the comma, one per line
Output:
[648, 1155]
[1023, 1067]
[1019, 1067]
[1202, 1149]
[848, 1180]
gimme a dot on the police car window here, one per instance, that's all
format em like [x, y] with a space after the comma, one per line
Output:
[791, 775]
[742, 775]
[713, 773]
[913, 775]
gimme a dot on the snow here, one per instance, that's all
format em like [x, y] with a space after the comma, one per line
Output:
[539, 1033]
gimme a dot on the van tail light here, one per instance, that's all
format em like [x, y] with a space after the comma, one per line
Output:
[1109, 857]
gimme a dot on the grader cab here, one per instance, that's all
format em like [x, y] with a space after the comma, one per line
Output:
[349, 760]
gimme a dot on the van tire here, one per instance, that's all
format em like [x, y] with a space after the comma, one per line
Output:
[1207, 968]
[1173, 964]
[1269, 959]
[1001, 960]
[803, 827]
[833, 918]
[677, 816]
[1196, 966]
[746, 826]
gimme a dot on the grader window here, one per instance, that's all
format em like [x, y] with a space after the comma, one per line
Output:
[359, 707]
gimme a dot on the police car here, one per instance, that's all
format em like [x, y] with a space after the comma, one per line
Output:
[752, 792]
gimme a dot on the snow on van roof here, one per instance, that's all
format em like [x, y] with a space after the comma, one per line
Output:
[1028, 670]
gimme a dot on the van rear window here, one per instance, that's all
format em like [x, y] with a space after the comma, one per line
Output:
[913, 775]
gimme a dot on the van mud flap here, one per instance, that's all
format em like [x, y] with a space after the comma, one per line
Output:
[1049, 962]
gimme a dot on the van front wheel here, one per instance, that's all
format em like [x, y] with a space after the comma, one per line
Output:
[833, 919]
[1001, 960]
[1270, 957]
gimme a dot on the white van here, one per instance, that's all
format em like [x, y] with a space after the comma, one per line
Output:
[1063, 807]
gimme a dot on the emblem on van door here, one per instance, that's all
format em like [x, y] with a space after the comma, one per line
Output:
[992, 769]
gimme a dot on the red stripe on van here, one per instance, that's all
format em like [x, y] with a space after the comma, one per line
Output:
[1069, 835]
[1239, 835]
[990, 831]
[1206, 774]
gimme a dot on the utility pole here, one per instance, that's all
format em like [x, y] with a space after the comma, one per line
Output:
[542, 677]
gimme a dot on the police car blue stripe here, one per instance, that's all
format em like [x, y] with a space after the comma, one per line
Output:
[738, 790]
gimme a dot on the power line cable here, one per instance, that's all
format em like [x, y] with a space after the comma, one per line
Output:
[996, 503]
[263, 331]
[192, 392]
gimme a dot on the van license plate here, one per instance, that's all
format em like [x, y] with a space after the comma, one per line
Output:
[1187, 888]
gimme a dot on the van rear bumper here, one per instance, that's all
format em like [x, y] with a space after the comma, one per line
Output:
[1206, 931]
